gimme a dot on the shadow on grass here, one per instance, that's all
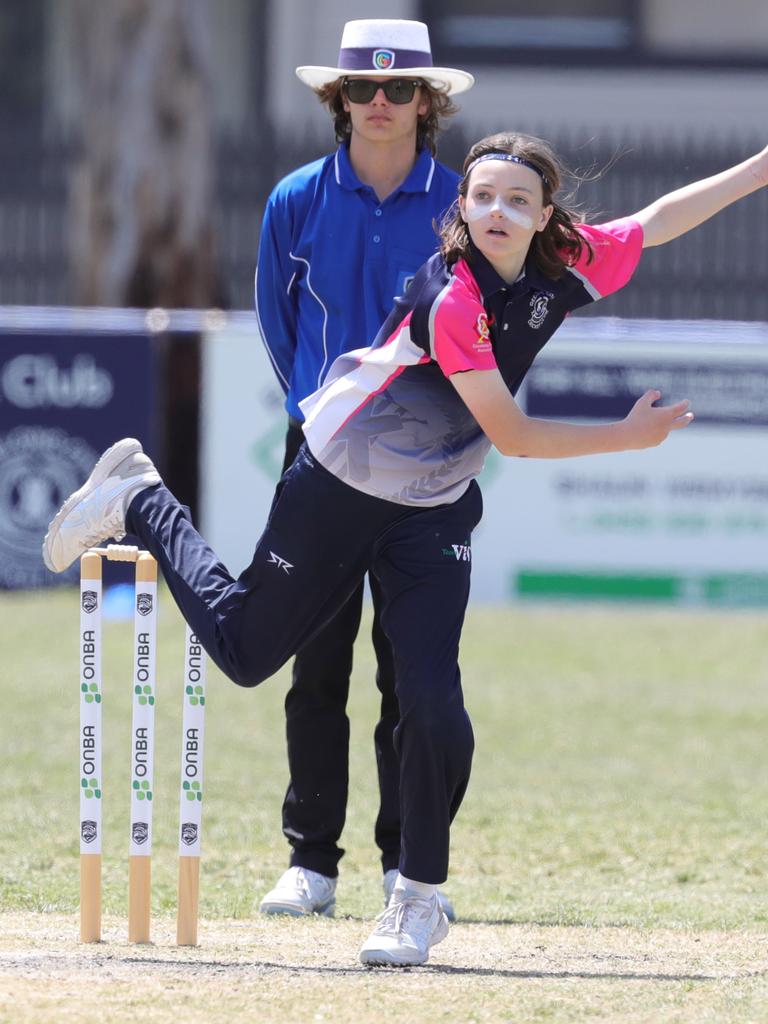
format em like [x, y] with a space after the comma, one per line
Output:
[43, 962]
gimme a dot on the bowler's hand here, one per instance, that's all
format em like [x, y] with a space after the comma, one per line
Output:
[648, 424]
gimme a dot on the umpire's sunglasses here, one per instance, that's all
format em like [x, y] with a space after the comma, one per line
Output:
[397, 90]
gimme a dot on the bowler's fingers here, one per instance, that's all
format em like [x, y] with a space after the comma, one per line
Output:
[681, 421]
[650, 396]
[677, 409]
[678, 415]
[673, 411]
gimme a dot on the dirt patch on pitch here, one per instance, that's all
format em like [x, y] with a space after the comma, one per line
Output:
[287, 970]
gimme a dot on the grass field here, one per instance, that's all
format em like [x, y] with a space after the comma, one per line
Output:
[609, 862]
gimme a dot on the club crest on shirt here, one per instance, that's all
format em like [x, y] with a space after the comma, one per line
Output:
[539, 309]
[482, 326]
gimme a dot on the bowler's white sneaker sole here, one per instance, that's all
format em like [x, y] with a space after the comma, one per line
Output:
[96, 511]
[278, 906]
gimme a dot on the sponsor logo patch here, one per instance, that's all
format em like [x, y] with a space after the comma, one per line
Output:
[461, 552]
[383, 59]
[483, 328]
[279, 562]
[188, 832]
[88, 831]
[139, 832]
[143, 603]
[90, 601]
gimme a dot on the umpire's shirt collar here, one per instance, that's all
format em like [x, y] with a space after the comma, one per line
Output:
[419, 179]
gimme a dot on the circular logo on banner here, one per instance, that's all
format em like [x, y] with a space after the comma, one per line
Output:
[39, 468]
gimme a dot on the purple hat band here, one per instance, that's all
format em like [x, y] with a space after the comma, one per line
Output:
[382, 58]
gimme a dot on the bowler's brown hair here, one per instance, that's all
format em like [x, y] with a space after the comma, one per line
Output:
[559, 245]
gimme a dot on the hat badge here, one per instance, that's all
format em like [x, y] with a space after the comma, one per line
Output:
[383, 59]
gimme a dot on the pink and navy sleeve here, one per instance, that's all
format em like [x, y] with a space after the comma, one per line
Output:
[459, 332]
[616, 248]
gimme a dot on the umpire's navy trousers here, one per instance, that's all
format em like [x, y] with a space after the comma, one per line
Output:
[321, 537]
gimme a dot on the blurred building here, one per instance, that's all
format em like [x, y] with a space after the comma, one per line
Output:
[655, 92]
[598, 67]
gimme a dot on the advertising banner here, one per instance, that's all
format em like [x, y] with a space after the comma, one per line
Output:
[686, 522]
[64, 397]
[243, 434]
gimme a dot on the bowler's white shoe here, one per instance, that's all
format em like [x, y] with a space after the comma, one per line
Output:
[96, 512]
[390, 877]
[405, 931]
[300, 892]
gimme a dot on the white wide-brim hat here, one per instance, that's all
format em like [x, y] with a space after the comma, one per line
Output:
[387, 48]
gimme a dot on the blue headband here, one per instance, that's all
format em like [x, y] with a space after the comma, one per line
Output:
[512, 159]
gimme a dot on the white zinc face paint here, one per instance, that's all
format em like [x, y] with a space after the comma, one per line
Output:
[477, 210]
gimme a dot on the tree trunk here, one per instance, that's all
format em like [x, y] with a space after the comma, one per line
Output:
[142, 196]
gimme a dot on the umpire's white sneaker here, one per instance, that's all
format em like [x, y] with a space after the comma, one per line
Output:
[390, 877]
[300, 892]
[405, 931]
[97, 511]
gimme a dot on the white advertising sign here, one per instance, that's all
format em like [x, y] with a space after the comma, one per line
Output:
[687, 521]
[243, 436]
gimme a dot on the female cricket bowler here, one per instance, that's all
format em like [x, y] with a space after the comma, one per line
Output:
[340, 239]
[386, 478]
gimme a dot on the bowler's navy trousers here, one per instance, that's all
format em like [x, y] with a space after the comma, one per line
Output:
[321, 537]
[317, 733]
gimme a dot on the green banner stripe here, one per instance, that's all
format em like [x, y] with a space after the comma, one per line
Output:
[719, 589]
[747, 588]
[567, 584]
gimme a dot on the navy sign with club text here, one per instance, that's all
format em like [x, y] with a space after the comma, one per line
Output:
[64, 398]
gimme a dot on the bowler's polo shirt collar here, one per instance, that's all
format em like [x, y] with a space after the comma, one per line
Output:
[491, 283]
[419, 179]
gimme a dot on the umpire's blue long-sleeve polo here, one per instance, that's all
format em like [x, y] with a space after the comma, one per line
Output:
[332, 259]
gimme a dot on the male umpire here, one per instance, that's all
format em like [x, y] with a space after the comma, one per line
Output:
[341, 238]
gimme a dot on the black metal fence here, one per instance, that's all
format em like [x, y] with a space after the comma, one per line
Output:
[33, 219]
[719, 271]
